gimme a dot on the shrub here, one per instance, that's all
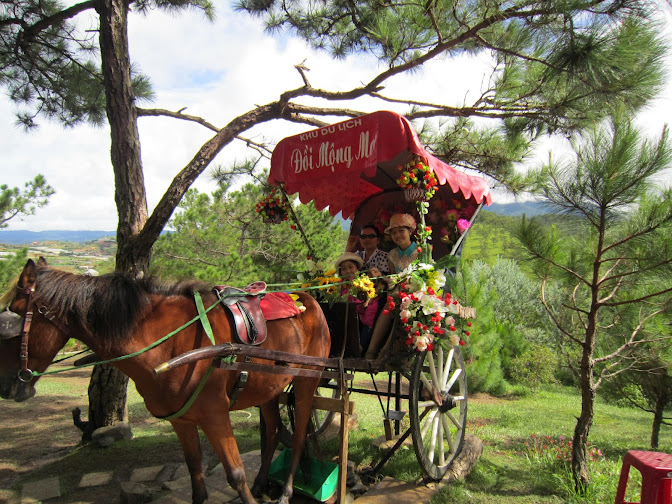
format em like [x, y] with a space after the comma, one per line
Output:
[535, 367]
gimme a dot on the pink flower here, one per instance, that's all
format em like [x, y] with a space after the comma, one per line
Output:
[463, 225]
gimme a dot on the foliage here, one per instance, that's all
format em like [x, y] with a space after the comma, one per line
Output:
[534, 367]
[565, 58]
[614, 278]
[491, 335]
[10, 268]
[221, 239]
[15, 202]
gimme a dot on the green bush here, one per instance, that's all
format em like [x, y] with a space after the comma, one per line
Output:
[535, 367]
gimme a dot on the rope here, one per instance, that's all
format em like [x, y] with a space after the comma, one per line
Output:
[134, 354]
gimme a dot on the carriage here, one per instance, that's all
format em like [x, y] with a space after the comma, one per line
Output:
[351, 168]
[354, 168]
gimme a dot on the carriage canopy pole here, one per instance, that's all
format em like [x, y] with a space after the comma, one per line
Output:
[298, 224]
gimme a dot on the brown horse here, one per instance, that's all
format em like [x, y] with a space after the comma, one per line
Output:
[117, 315]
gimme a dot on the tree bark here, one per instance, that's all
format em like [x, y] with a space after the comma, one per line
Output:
[658, 418]
[107, 388]
[585, 420]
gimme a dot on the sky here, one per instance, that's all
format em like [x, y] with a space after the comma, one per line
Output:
[217, 71]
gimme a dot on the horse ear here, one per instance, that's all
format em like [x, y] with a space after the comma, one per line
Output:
[41, 262]
[28, 275]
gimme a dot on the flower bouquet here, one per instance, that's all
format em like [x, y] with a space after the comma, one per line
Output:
[362, 288]
[427, 314]
[418, 180]
[273, 208]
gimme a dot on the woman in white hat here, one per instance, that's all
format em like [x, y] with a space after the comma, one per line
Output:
[400, 229]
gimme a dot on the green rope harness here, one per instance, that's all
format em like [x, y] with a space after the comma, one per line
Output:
[201, 316]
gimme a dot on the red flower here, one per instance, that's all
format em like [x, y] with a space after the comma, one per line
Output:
[452, 328]
[308, 258]
[462, 343]
[293, 226]
[386, 312]
[419, 249]
[467, 333]
[469, 324]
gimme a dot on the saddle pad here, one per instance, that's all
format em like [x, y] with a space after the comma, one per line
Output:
[278, 305]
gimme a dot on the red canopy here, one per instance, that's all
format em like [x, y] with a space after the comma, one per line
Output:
[343, 165]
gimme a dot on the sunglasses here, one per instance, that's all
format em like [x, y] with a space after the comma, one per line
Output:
[368, 236]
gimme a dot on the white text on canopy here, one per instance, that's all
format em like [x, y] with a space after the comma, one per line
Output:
[331, 153]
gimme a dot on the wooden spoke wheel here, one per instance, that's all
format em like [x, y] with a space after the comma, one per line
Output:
[438, 408]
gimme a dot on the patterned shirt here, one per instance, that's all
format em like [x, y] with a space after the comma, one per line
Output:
[377, 260]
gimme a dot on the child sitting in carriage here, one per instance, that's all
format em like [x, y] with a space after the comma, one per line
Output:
[347, 267]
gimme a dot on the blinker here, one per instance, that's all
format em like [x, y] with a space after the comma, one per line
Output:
[10, 324]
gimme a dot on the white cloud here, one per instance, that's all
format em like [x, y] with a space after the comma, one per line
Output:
[218, 71]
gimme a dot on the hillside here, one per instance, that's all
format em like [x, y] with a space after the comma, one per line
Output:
[21, 237]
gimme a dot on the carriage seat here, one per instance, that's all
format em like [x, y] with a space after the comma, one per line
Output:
[343, 322]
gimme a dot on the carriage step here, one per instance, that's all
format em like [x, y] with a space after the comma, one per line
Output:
[395, 415]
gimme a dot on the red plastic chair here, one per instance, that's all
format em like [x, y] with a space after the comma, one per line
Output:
[656, 469]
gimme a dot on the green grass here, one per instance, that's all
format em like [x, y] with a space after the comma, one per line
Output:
[524, 458]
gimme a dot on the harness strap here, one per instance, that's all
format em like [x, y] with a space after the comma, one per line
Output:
[203, 316]
[193, 397]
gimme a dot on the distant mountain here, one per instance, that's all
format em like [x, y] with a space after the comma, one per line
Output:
[18, 237]
[529, 208]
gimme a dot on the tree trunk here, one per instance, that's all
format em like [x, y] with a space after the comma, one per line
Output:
[107, 389]
[107, 400]
[585, 419]
[658, 416]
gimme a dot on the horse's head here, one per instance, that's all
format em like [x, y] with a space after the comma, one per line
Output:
[29, 339]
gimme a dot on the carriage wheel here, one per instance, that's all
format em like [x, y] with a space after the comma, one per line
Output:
[319, 419]
[438, 408]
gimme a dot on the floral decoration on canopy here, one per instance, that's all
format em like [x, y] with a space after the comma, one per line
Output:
[273, 208]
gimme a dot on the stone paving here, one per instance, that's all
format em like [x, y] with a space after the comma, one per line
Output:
[176, 488]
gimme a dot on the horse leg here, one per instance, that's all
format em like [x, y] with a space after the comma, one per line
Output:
[191, 445]
[270, 412]
[304, 390]
[220, 435]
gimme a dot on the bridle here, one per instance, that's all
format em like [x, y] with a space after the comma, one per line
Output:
[11, 326]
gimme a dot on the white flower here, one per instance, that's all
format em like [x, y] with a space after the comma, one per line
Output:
[449, 321]
[454, 339]
[421, 343]
[432, 304]
[453, 308]
[405, 314]
[438, 281]
[405, 302]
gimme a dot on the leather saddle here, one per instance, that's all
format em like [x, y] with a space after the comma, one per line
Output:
[245, 311]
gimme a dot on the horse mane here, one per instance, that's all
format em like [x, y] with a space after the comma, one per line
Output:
[108, 306]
